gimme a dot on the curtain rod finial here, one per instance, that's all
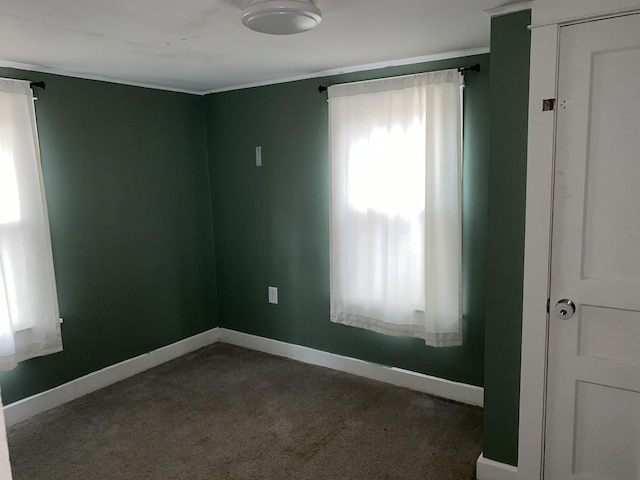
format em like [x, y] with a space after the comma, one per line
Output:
[472, 68]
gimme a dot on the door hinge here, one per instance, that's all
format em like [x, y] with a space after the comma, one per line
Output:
[548, 104]
[548, 305]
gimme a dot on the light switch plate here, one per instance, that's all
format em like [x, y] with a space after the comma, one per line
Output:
[273, 295]
[258, 156]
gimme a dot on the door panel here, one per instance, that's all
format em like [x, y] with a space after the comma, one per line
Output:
[595, 454]
[613, 174]
[614, 340]
[593, 387]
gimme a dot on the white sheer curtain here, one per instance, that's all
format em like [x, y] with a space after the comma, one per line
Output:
[396, 175]
[29, 319]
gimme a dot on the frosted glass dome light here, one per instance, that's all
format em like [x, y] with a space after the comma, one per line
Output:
[281, 17]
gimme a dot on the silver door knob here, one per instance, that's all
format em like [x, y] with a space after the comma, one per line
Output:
[565, 309]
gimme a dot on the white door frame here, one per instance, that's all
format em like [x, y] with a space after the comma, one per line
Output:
[5, 464]
[539, 211]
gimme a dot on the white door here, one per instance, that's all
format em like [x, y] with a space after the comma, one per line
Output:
[593, 389]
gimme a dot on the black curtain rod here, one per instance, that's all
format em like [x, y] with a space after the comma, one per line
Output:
[472, 68]
[462, 70]
[39, 84]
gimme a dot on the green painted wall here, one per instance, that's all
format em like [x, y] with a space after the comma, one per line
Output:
[126, 178]
[126, 173]
[271, 223]
[510, 45]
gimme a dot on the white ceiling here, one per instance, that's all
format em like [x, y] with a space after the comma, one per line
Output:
[201, 46]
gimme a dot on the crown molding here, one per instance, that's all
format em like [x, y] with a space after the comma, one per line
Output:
[85, 76]
[511, 8]
[359, 68]
[323, 73]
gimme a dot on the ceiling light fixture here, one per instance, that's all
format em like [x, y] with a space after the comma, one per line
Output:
[281, 17]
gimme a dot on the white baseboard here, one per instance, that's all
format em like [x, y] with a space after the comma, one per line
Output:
[459, 392]
[27, 407]
[487, 469]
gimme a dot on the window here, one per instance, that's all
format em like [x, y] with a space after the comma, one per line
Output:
[396, 169]
[29, 320]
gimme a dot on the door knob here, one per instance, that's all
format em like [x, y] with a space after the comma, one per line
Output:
[565, 309]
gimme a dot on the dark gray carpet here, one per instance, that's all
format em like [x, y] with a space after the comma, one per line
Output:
[228, 413]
